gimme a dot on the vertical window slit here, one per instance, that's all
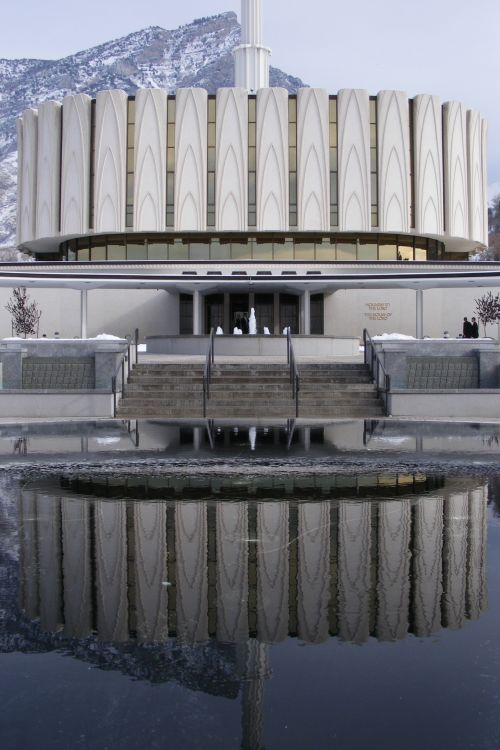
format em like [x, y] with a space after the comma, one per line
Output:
[170, 218]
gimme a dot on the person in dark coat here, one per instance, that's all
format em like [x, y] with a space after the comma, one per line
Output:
[474, 329]
[467, 330]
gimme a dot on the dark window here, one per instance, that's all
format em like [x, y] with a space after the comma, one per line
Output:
[289, 312]
[170, 219]
[374, 161]
[334, 201]
[264, 312]
[252, 161]
[92, 165]
[317, 315]
[211, 141]
[292, 156]
[186, 315]
[129, 217]
[412, 165]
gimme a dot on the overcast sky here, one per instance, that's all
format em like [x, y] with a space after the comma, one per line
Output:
[450, 48]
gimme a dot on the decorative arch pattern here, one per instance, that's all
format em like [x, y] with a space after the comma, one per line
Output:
[475, 176]
[393, 135]
[428, 129]
[110, 161]
[75, 164]
[484, 169]
[272, 160]
[313, 181]
[191, 160]
[455, 165]
[48, 169]
[231, 191]
[28, 168]
[353, 106]
[150, 160]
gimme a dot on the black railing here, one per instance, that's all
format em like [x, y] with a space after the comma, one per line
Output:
[294, 370]
[377, 370]
[207, 372]
[119, 381]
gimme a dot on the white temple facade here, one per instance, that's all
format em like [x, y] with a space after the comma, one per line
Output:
[283, 195]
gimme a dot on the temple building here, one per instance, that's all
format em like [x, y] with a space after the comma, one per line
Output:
[324, 212]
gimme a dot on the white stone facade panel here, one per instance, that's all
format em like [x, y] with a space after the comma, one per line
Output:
[231, 180]
[484, 163]
[77, 567]
[232, 572]
[456, 514]
[151, 594]
[273, 570]
[313, 175]
[393, 136]
[455, 170]
[150, 160]
[428, 155]
[19, 129]
[28, 176]
[272, 160]
[111, 570]
[353, 117]
[313, 572]
[354, 556]
[75, 164]
[191, 160]
[110, 169]
[428, 565]
[191, 533]
[393, 586]
[48, 169]
[475, 176]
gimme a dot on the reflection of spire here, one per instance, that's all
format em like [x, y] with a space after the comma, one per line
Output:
[251, 58]
[256, 670]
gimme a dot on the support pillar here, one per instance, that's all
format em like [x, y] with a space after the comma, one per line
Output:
[83, 314]
[197, 313]
[227, 320]
[420, 314]
[277, 329]
[306, 313]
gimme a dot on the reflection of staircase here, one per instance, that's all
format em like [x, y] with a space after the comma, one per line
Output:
[250, 391]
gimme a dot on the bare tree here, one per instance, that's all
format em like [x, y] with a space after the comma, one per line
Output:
[488, 309]
[25, 313]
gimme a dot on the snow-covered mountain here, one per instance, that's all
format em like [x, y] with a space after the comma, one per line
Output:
[198, 54]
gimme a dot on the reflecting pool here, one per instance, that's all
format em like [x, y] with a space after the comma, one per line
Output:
[343, 610]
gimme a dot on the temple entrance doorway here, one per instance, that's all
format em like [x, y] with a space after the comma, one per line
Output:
[239, 312]
[289, 313]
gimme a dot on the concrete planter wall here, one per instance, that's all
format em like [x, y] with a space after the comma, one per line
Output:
[254, 346]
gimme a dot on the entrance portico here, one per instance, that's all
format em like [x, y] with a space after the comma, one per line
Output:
[281, 296]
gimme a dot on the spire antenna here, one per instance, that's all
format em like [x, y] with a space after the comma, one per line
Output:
[251, 58]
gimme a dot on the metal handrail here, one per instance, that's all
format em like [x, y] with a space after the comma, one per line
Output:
[114, 383]
[207, 372]
[125, 360]
[294, 370]
[377, 369]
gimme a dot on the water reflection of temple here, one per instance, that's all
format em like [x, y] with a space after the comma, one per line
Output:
[254, 569]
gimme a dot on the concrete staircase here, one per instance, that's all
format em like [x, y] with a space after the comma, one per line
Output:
[156, 390]
[338, 391]
[250, 391]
